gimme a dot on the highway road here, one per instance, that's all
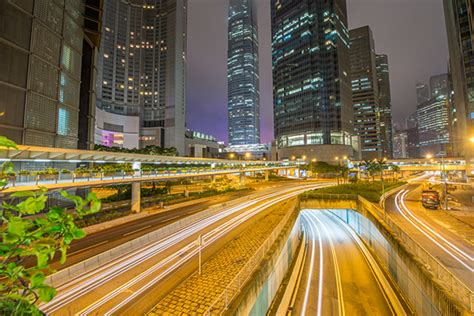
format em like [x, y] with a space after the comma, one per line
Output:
[454, 251]
[125, 284]
[338, 275]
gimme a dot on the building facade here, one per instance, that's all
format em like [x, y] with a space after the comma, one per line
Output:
[385, 99]
[47, 69]
[313, 114]
[242, 74]
[368, 118]
[400, 145]
[433, 118]
[142, 68]
[460, 31]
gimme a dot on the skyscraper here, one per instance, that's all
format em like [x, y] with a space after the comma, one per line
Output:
[311, 85]
[422, 92]
[47, 56]
[142, 74]
[242, 74]
[385, 99]
[460, 31]
[433, 118]
[368, 118]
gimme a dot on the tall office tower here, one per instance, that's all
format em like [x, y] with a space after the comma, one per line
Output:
[460, 31]
[242, 74]
[433, 118]
[439, 85]
[46, 66]
[400, 144]
[365, 93]
[422, 92]
[141, 99]
[413, 145]
[311, 85]
[385, 99]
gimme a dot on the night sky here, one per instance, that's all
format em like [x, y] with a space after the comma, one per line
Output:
[411, 32]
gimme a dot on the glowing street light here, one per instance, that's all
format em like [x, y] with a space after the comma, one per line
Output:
[293, 157]
[247, 155]
[304, 157]
[231, 156]
[429, 156]
[471, 139]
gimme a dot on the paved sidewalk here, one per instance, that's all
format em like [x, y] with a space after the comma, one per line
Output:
[196, 294]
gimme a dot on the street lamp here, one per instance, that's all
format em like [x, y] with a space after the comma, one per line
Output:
[247, 155]
[232, 156]
[429, 156]
[304, 157]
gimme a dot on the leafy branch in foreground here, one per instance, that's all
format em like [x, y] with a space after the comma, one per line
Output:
[28, 231]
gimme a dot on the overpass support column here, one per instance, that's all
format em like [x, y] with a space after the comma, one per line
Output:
[242, 178]
[213, 179]
[136, 197]
[267, 173]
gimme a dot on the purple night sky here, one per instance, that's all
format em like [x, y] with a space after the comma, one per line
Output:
[411, 32]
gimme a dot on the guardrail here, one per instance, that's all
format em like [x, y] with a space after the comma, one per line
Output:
[234, 287]
[327, 196]
[98, 177]
[440, 273]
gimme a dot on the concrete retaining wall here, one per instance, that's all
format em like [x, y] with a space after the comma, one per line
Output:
[257, 295]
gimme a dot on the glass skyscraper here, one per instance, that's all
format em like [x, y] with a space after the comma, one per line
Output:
[242, 74]
[311, 84]
[385, 99]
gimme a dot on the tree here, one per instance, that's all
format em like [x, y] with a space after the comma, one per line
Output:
[43, 236]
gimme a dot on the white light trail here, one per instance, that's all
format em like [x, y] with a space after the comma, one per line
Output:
[426, 230]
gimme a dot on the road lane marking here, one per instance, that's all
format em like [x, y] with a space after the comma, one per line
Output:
[87, 248]
[135, 231]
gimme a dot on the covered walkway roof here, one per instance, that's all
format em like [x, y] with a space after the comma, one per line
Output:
[48, 154]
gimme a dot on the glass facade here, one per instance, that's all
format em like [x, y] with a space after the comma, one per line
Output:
[311, 84]
[385, 99]
[242, 74]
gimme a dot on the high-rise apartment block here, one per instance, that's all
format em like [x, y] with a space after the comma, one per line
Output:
[47, 56]
[242, 74]
[313, 114]
[141, 99]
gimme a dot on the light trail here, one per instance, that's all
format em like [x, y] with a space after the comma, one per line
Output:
[321, 267]
[431, 233]
[208, 238]
[337, 273]
[92, 280]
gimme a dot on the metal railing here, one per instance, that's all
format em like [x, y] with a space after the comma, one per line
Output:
[223, 301]
[441, 275]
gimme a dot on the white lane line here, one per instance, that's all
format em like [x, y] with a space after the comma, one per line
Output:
[136, 231]
[425, 233]
[340, 293]
[87, 248]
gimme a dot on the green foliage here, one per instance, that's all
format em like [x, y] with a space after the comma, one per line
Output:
[27, 230]
[372, 191]
[322, 167]
[148, 150]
